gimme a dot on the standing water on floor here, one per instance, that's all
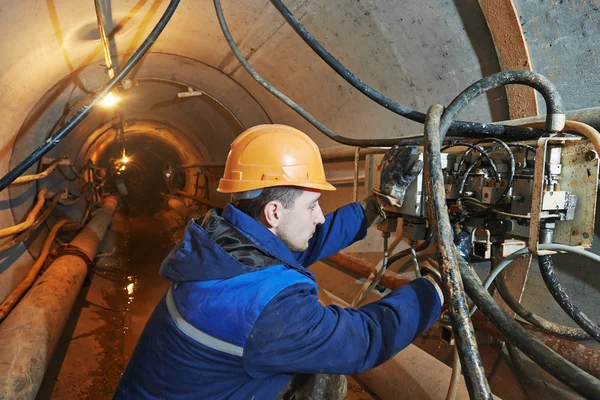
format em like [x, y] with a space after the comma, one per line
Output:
[113, 307]
[149, 244]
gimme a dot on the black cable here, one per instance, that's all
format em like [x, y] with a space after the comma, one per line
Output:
[477, 149]
[563, 370]
[469, 129]
[459, 128]
[509, 183]
[487, 152]
[527, 148]
[562, 298]
[290, 103]
[555, 119]
[84, 112]
[463, 181]
[439, 221]
[528, 385]
[69, 178]
[552, 327]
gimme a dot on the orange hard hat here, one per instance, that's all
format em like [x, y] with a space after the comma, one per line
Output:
[273, 155]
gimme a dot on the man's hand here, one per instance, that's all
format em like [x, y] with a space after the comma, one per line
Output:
[399, 168]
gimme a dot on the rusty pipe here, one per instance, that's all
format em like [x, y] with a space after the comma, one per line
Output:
[585, 357]
[390, 280]
[329, 154]
[29, 335]
[196, 198]
[13, 298]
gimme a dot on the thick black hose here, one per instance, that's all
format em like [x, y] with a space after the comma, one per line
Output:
[555, 119]
[458, 127]
[566, 372]
[439, 220]
[536, 320]
[84, 112]
[562, 298]
[528, 385]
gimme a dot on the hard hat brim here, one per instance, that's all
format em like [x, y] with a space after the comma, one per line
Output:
[231, 186]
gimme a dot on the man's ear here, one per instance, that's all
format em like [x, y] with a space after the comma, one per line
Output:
[272, 214]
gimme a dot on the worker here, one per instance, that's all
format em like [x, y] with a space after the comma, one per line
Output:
[241, 319]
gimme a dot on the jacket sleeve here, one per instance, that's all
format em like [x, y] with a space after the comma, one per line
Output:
[341, 228]
[296, 334]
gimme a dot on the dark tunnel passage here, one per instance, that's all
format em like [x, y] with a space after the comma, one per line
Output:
[125, 285]
[142, 170]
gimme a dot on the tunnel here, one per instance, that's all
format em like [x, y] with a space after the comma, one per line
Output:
[158, 140]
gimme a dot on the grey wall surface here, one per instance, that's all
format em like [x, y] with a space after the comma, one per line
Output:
[562, 37]
[418, 52]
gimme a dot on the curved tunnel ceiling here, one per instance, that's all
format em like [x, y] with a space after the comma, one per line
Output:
[419, 53]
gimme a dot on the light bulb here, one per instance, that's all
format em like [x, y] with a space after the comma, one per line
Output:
[109, 100]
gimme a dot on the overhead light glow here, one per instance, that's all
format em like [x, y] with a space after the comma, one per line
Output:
[125, 159]
[109, 100]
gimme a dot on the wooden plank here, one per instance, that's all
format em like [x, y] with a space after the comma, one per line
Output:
[503, 21]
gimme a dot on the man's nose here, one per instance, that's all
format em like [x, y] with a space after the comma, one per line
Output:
[320, 217]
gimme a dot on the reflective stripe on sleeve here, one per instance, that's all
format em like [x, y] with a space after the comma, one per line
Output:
[196, 334]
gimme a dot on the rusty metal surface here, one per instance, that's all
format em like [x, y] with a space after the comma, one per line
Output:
[585, 357]
[580, 177]
[503, 20]
[390, 280]
[196, 198]
[539, 187]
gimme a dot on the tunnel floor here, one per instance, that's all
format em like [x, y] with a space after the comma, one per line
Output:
[113, 307]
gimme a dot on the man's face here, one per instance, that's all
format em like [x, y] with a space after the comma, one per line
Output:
[299, 222]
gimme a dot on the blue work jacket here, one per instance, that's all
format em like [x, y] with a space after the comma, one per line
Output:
[242, 314]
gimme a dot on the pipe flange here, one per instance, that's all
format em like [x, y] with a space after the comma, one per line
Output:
[67, 249]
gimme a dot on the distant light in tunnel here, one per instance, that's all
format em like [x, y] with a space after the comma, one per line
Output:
[110, 100]
[123, 168]
[130, 289]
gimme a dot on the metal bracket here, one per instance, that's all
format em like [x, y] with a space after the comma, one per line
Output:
[580, 177]
[68, 249]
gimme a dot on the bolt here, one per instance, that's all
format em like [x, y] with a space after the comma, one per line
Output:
[590, 155]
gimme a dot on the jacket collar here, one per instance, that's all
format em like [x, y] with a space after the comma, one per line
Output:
[263, 237]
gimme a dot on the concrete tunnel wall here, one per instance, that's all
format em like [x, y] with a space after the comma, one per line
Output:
[418, 52]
